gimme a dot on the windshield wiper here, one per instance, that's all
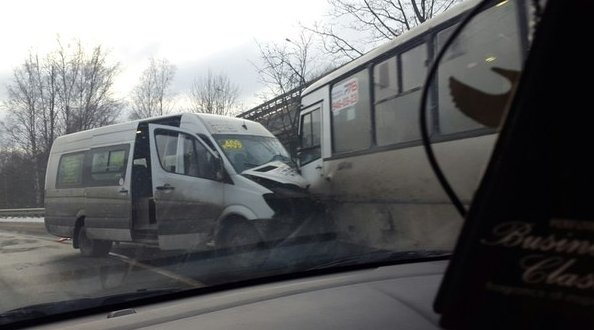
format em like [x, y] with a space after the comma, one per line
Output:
[250, 165]
[37, 311]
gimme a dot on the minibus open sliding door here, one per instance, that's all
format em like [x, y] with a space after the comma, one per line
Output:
[107, 191]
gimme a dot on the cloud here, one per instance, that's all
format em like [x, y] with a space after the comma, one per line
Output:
[235, 62]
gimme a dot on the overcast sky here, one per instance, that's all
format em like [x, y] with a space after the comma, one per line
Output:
[194, 35]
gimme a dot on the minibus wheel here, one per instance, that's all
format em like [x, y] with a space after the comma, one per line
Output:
[92, 247]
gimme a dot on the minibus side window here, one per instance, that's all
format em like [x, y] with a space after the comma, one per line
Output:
[207, 141]
[70, 171]
[108, 165]
[183, 154]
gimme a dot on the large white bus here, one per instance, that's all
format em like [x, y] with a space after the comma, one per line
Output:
[360, 141]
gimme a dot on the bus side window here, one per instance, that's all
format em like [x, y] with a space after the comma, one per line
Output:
[351, 113]
[316, 129]
[306, 136]
[396, 111]
[477, 71]
[310, 137]
[414, 67]
[385, 79]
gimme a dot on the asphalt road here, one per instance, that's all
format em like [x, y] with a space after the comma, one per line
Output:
[36, 267]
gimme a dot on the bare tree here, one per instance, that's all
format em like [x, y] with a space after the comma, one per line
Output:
[364, 24]
[152, 96]
[214, 93]
[285, 66]
[285, 69]
[63, 92]
[85, 87]
[30, 121]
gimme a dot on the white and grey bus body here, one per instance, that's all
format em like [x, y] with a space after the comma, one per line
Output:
[361, 149]
[164, 181]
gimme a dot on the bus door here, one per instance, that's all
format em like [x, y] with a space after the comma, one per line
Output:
[309, 152]
[187, 196]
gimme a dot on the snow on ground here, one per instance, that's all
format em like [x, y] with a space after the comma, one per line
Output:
[22, 219]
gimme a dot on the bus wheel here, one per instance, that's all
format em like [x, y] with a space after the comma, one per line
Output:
[92, 247]
[242, 244]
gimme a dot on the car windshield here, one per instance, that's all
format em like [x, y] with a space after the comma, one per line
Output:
[248, 151]
[151, 148]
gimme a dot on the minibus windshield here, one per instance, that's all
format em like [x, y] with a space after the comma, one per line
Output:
[249, 151]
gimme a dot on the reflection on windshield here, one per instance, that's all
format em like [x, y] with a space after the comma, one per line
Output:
[249, 151]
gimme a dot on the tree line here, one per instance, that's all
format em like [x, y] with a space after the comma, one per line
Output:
[72, 88]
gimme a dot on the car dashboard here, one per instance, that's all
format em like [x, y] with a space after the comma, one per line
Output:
[387, 297]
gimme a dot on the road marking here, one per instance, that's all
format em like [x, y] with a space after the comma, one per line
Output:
[186, 280]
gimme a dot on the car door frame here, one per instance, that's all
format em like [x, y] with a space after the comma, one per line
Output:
[186, 208]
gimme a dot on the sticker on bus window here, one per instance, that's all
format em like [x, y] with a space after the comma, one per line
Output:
[345, 94]
[232, 144]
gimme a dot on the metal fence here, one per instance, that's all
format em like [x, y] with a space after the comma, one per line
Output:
[280, 116]
[30, 212]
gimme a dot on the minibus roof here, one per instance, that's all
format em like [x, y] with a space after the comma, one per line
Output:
[217, 124]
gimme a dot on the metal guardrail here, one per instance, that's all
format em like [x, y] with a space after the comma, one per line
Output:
[29, 212]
